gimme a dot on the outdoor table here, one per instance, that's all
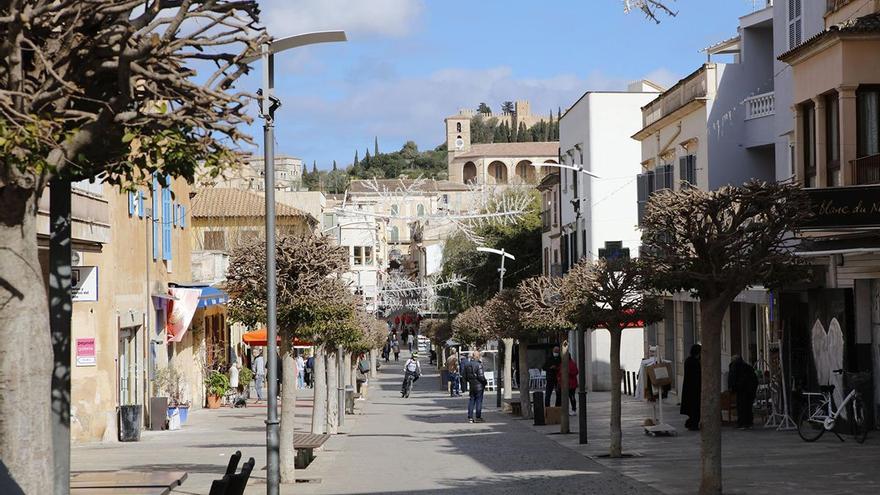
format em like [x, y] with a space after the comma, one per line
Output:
[125, 482]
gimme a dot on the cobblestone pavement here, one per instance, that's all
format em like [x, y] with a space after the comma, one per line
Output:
[424, 445]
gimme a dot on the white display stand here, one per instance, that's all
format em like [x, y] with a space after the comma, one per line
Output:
[661, 428]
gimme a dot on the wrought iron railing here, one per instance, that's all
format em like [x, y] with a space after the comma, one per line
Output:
[866, 170]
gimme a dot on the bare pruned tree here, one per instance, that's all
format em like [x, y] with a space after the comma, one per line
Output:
[651, 8]
[112, 90]
[715, 244]
[471, 327]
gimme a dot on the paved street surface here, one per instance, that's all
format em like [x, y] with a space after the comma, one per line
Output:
[424, 445]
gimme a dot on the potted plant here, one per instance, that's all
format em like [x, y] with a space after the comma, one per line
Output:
[217, 384]
[171, 382]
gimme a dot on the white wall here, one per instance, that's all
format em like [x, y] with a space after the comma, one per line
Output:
[631, 354]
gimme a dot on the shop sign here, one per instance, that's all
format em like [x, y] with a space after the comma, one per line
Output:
[84, 283]
[844, 207]
[85, 352]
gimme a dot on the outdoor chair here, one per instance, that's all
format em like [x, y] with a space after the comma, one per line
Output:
[232, 483]
[537, 379]
[490, 380]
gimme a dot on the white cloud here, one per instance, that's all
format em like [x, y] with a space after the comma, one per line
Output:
[357, 17]
[662, 76]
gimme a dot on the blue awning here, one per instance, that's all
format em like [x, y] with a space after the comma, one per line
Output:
[212, 296]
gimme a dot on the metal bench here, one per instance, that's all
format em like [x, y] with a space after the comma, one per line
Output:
[305, 445]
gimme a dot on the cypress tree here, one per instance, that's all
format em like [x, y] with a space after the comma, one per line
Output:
[356, 161]
[376, 145]
[334, 165]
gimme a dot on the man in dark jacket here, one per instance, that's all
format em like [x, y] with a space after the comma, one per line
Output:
[551, 366]
[743, 381]
[690, 389]
[476, 380]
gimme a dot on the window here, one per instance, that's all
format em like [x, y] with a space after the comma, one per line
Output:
[420, 210]
[687, 170]
[868, 121]
[458, 127]
[215, 241]
[395, 234]
[395, 210]
[445, 199]
[809, 113]
[832, 139]
[794, 23]
[368, 255]
[358, 255]
[167, 213]
[329, 220]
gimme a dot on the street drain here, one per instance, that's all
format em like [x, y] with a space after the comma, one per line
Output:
[308, 480]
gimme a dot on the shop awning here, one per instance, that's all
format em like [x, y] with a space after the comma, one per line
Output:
[259, 338]
[212, 296]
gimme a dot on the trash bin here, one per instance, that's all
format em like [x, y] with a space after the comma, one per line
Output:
[130, 423]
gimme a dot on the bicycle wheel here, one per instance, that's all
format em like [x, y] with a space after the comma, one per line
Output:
[859, 421]
[810, 425]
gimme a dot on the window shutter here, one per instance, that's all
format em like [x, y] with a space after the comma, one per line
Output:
[669, 174]
[174, 207]
[140, 203]
[131, 204]
[692, 169]
[682, 171]
[167, 214]
[650, 178]
[642, 194]
[182, 216]
[155, 217]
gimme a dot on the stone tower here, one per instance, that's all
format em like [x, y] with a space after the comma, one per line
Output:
[458, 132]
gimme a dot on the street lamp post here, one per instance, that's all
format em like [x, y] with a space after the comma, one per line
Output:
[503, 254]
[268, 105]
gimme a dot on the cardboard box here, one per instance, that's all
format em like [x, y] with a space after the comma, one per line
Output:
[552, 415]
[660, 374]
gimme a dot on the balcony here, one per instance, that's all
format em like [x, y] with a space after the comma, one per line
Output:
[866, 170]
[762, 105]
[689, 89]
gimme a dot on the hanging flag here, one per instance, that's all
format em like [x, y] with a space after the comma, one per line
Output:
[180, 312]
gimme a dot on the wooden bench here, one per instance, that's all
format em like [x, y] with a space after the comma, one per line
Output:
[125, 482]
[305, 445]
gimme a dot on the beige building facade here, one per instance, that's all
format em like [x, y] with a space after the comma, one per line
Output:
[128, 249]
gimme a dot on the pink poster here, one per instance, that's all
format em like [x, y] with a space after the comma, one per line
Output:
[180, 312]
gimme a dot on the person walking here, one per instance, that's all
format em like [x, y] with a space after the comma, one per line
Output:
[744, 383]
[395, 347]
[412, 370]
[300, 372]
[476, 380]
[310, 371]
[551, 367]
[454, 375]
[690, 389]
[572, 385]
[259, 374]
[410, 339]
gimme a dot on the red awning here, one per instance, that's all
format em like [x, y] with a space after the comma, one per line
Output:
[258, 338]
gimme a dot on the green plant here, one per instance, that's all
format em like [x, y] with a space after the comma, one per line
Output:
[217, 384]
[245, 376]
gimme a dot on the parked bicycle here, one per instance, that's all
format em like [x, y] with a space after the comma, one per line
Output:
[821, 415]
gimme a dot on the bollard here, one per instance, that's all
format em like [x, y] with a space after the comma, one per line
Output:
[538, 399]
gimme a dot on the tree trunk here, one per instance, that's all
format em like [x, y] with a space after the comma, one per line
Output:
[616, 447]
[319, 384]
[373, 359]
[26, 357]
[508, 370]
[524, 396]
[563, 388]
[711, 316]
[347, 369]
[288, 412]
[332, 393]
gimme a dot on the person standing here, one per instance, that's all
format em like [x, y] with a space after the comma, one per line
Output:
[690, 389]
[551, 367]
[572, 385]
[744, 383]
[454, 375]
[300, 372]
[259, 374]
[476, 380]
[310, 370]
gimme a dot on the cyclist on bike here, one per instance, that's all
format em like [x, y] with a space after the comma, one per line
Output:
[412, 370]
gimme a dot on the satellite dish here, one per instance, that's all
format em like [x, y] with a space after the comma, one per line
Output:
[459, 144]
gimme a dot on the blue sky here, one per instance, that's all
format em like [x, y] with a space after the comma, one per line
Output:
[410, 63]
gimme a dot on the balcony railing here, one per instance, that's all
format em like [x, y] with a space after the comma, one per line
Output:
[685, 91]
[866, 170]
[761, 105]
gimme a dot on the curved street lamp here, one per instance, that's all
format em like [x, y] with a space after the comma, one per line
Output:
[269, 103]
[504, 254]
[574, 166]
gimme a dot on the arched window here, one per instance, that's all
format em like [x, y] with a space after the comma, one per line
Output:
[420, 210]
[458, 127]
[395, 234]
[395, 210]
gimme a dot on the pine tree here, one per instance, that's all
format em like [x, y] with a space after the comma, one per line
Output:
[314, 166]
[334, 165]
[356, 161]
[376, 145]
